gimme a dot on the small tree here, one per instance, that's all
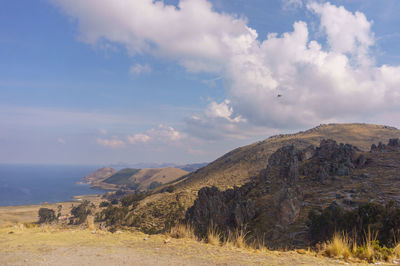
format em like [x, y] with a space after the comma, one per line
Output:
[46, 215]
[80, 212]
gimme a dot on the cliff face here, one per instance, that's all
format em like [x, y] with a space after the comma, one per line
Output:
[276, 203]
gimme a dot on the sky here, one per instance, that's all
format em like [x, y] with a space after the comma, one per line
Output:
[181, 81]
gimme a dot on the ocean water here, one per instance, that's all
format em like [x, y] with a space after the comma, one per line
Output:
[34, 184]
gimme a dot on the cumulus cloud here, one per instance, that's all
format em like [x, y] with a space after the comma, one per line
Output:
[139, 69]
[162, 133]
[346, 32]
[223, 110]
[111, 143]
[315, 82]
[138, 138]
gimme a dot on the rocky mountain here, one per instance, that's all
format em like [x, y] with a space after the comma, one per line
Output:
[238, 167]
[276, 203]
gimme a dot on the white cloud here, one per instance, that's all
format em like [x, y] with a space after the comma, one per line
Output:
[223, 110]
[290, 4]
[138, 138]
[162, 133]
[111, 143]
[346, 32]
[338, 83]
[139, 69]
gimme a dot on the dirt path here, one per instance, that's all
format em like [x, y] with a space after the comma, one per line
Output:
[50, 246]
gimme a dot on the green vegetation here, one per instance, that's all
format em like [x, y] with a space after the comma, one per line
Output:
[385, 220]
[104, 204]
[46, 215]
[133, 199]
[115, 216]
[154, 185]
[122, 177]
[81, 212]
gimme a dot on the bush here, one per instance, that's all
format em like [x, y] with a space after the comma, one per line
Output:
[113, 216]
[104, 204]
[114, 202]
[373, 217]
[80, 213]
[46, 215]
[154, 185]
[168, 189]
[133, 199]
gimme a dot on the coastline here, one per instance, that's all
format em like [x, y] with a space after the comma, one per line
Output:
[29, 213]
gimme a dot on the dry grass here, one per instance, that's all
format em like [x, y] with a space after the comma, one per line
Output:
[236, 239]
[367, 251]
[338, 247]
[213, 235]
[183, 231]
[341, 246]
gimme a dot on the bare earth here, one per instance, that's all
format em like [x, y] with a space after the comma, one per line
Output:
[56, 246]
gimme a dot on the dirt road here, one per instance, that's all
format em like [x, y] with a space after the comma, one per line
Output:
[52, 246]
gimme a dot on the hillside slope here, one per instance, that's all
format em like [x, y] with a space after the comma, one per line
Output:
[276, 204]
[133, 179]
[238, 166]
[146, 177]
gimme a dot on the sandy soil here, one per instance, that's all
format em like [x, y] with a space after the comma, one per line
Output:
[56, 246]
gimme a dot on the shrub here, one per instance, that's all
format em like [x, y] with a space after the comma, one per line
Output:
[133, 199]
[168, 189]
[113, 216]
[46, 215]
[114, 202]
[80, 213]
[368, 217]
[154, 185]
[104, 204]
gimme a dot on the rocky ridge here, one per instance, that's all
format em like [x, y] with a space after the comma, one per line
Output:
[276, 203]
[237, 167]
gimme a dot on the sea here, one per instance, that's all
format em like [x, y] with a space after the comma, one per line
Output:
[35, 184]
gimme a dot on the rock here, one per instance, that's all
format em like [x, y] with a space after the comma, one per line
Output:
[276, 203]
[394, 143]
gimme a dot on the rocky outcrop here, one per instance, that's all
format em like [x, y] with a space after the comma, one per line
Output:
[275, 204]
[393, 145]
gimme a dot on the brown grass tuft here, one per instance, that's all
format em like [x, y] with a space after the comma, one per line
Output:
[213, 235]
[183, 231]
[338, 247]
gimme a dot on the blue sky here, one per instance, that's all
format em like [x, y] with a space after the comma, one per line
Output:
[101, 82]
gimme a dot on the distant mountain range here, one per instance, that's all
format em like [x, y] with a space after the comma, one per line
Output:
[186, 167]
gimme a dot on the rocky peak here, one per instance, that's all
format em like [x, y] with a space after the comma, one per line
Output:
[393, 145]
